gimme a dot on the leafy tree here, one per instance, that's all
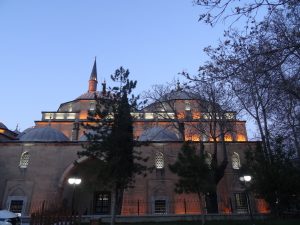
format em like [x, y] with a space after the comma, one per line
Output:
[277, 182]
[194, 171]
[109, 132]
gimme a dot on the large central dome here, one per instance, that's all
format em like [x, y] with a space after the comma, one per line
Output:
[90, 95]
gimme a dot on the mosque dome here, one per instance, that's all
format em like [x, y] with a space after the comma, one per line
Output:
[179, 95]
[24, 132]
[84, 137]
[159, 134]
[90, 95]
[2, 126]
[46, 133]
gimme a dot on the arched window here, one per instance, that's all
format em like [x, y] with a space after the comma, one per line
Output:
[187, 105]
[208, 159]
[24, 160]
[159, 160]
[235, 160]
[92, 105]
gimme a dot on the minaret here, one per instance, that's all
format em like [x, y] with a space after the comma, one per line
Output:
[93, 79]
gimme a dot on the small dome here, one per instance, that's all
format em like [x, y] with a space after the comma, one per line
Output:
[24, 132]
[159, 134]
[2, 126]
[84, 137]
[46, 133]
[17, 132]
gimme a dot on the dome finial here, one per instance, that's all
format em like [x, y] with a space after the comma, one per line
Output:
[17, 127]
[178, 85]
[104, 88]
[50, 119]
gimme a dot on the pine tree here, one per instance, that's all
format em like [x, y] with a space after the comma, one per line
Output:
[109, 133]
[277, 181]
[194, 171]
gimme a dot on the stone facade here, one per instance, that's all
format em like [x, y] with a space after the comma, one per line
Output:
[36, 164]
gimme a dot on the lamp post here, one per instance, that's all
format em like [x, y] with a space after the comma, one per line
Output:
[246, 179]
[73, 181]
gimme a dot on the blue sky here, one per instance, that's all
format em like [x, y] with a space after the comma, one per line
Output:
[47, 48]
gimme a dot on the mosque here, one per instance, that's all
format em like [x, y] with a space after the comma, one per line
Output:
[35, 164]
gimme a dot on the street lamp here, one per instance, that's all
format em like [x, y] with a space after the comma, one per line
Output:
[73, 181]
[245, 179]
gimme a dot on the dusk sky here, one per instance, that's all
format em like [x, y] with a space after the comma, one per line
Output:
[47, 48]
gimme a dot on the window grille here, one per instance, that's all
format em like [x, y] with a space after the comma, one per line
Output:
[241, 202]
[159, 160]
[70, 107]
[160, 207]
[16, 206]
[208, 159]
[92, 106]
[235, 160]
[102, 203]
[24, 160]
[187, 105]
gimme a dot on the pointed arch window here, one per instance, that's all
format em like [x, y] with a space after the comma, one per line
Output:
[208, 159]
[92, 106]
[235, 160]
[159, 160]
[70, 107]
[24, 160]
[187, 105]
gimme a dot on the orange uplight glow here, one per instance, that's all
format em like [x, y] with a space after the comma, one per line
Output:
[240, 137]
[211, 139]
[196, 115]
[226, 210]
[187, 207]
[83, 115]
[228, 137]
[262, 206]
[133, 207]
[193, 137]
[181, 115]
[1, 131]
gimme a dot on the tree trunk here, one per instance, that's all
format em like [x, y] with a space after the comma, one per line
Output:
[113, 205]
[225, 157]
[203, 209]
[119, 201]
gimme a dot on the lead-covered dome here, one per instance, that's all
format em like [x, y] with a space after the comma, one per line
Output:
[90, 95]
[46, 133]
[159, 134]
[2, 126]
[24, 132]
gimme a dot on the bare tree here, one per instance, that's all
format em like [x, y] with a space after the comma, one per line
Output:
[199, 112]
[262, 69]
[216, 10]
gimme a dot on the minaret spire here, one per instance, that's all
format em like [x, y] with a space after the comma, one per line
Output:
[93, 78]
